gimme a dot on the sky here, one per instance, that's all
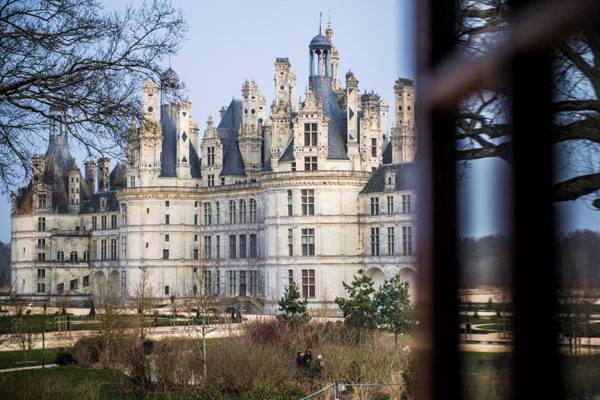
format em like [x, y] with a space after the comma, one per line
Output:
[229, 41]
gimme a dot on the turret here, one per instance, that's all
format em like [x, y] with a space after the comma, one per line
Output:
[104, 175]
[90, 175]
[73, 187]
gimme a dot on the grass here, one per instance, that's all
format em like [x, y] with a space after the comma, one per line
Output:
[36, 324]
[16, 359]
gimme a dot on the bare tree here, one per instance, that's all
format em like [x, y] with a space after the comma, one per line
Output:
[203, 300]
[74, 55]
[108, 301]
[483, 128]
[144, 298]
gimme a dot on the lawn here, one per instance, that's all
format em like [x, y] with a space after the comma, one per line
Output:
[487, 376]
[15, 359]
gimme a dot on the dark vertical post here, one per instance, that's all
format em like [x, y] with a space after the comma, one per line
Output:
[536, 369]
[439, 370]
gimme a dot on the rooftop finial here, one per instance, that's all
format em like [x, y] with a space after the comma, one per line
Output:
[320, 17]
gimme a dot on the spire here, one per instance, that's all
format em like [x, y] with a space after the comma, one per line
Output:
[320, 17]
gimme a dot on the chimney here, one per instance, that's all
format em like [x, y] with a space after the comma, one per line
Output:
[104, 174]
[90, 175]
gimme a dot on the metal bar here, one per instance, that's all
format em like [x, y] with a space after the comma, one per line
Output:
[536, 363]
[537, 25]
[437, 302]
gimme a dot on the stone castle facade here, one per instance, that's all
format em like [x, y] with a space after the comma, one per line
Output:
[309, 194]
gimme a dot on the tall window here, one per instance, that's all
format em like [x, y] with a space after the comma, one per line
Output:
[195, 255]
[391, 234]
[211, 180]
[165, 255]
[242, 211]
[308, 283]
[242, 246]
[290, 278]
[113, 249]
[103, 221]
[232, 212]
[113, 221]
[242, 288]
[252, 211]
[374, 205]
[310, 163]
[406, 204]
[407, 240]
[41, 224]
[42, 198]
[217, 212]
[210, 156]
[390, 204]
[86, 256]
[232, 283]
[308, 201]
[232, 246]
[41, 287]
[373, 147]
[253, 282]
[41, 273]
[41, 243]
[253, 245]
[94, 222]
[73, 256]
[207, 280]
[41, 257]
[218, 247]
[374, 241]
[207, 213]
[308, 242]
[290, 242]
[60, 256]
[207, 247]
[94, 249]
[310, 134]
[103, 249]
[290, 203]
[167, 219]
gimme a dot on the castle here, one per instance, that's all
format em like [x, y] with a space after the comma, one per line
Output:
[308, 195]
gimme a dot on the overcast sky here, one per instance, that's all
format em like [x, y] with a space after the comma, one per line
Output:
[229, 41]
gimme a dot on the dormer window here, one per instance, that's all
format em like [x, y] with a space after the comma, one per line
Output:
[310, 134]
[102, 202]
[390, 179]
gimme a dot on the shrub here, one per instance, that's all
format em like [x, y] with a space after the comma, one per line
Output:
[88, 350]
[64, 357]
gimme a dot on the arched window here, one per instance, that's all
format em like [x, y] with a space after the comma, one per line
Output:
[60, 256]
[252, 211]
[86, 256]
[232, 211]
[73, 256]
[242, 211]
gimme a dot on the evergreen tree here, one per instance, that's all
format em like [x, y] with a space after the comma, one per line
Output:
[292, 307]
[359, 309]
[394, 310]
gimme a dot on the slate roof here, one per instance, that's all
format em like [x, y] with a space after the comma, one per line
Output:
[118, 177]
[320, 42]
[168, 157]
[337, 134]
[406, 178]
[228, 131]
[288, 154]
[92, 205]
[386, 154]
